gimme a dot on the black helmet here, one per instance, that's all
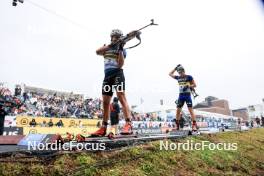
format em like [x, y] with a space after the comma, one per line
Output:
[179, 68]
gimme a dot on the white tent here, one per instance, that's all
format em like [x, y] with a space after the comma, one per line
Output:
[156, 108]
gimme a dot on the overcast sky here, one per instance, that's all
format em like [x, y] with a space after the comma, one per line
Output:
[219, 42]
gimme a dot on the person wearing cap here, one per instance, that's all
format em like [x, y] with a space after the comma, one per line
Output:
[186, 84]
[114, 56]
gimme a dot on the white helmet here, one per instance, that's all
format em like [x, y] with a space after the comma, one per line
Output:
[116, 32]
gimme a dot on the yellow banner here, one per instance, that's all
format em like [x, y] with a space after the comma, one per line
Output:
[58, 130]
[23, 121]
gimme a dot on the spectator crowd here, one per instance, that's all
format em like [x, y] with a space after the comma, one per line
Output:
[55, 105]
[50, 105]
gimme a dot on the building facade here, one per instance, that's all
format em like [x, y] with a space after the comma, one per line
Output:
[242, 113]
[214, 105]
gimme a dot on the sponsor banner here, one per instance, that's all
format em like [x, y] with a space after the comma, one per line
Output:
[148, 124]
[215, 124]
[12, 131]
[147, 130]
[58, 130]
[23, 121]
[10, 121]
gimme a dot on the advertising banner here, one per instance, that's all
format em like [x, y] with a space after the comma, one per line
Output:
[24, 121]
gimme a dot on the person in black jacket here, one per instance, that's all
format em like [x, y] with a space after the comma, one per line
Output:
[114, 115]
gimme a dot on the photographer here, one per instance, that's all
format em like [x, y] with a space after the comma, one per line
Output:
[114, 115]
[18, 91]
[7, 105]
[2, 119]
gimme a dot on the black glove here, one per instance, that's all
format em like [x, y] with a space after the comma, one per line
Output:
[121, 47]
[113, 45]
[116, 47]
[177, 67]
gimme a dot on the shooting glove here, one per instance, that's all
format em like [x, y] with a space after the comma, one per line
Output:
[121, 47]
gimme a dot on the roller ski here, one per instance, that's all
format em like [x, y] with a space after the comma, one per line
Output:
[126, 132]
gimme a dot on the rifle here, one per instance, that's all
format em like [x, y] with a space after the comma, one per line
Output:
[194, 93]
[123, 40]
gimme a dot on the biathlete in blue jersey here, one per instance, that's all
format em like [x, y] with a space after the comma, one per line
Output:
[114, 79]
[186, 85]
